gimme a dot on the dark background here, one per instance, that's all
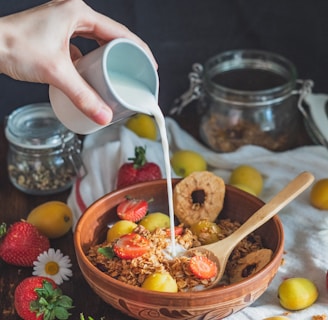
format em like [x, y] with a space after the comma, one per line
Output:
[181, 32]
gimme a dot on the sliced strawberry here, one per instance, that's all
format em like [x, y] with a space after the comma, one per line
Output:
[202, 267]
[177, 231]
[132, 209]
[131, 246]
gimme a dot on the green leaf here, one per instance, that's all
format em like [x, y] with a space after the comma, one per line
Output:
[107, 252]
[51, 303]
[3, 229]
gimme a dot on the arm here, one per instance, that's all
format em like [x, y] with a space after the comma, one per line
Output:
[35, 47]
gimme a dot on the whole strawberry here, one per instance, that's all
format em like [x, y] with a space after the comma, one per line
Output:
[40, 298]
[22, 244]
[139, 170]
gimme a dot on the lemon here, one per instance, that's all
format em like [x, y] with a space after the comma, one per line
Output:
[185, 162]
[142, 125]
[53, 218]
[119, 229]
[319, 194]
[248, 178]
[244, 188]
[162, 282]
[297, 293]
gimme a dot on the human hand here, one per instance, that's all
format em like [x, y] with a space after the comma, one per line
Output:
[35, 46]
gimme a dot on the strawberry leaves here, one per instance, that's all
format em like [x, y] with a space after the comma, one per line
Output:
[40, 298]
[51, 303]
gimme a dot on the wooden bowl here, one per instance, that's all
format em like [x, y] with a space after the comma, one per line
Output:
[216, 303]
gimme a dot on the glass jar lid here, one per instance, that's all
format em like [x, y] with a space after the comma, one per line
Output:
[35, 126]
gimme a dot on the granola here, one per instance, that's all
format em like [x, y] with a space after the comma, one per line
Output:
[158, 259]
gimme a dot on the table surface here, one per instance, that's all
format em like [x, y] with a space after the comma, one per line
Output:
[15, 205]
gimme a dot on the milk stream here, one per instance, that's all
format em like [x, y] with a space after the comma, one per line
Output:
[137, 97]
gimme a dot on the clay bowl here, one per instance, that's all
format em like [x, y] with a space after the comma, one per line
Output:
[139, 303]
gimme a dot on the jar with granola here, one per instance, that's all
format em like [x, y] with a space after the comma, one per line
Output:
[43, 156]
[247, 97]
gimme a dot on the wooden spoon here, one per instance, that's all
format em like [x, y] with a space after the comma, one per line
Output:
[220, 251]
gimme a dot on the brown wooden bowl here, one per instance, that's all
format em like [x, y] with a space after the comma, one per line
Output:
[139, 303]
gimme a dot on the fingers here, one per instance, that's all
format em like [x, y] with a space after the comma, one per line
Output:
[84, 97]
[105, 29]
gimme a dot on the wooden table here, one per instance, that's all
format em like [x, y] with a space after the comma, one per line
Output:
[15, 205]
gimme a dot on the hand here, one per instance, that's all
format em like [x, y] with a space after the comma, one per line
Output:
[35, 46]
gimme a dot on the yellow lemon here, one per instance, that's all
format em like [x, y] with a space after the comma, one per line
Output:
[248, 177]
[119, 229]
[244, 188]
[163, 282]
[142, 125]
[53, 218]
[184, 162]
[297, 293]
[319, 194]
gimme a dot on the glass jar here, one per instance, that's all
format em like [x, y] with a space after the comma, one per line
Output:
[247, 97]
[43, 156]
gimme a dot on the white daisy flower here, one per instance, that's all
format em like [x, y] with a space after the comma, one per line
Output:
[53, 264]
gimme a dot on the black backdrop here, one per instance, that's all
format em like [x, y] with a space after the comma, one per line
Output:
[181, 32]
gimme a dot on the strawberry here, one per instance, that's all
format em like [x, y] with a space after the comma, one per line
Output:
[139, 170]
[178, 231]
[131, 245]
[202, 267]
[22, 244]
[40, 298]
[132, 209]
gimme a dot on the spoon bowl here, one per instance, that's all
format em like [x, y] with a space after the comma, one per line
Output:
[220, 251]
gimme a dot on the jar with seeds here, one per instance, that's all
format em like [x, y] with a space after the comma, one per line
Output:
[43, 156]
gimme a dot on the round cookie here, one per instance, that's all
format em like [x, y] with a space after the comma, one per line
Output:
[198, 196]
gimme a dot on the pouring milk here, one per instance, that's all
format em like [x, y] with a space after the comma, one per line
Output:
[140, 99]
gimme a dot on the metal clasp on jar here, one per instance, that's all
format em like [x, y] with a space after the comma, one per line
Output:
[194, 92]
[74, 155]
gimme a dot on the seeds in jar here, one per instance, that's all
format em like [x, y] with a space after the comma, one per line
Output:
[40, 176]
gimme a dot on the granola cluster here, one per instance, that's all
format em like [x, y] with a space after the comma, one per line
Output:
[158, 259]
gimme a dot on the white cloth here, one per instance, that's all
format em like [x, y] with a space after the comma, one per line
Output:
[306, 228]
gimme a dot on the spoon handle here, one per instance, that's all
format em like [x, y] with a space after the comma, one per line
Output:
[265, 213]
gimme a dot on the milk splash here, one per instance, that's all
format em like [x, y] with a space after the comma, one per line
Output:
[139, 98]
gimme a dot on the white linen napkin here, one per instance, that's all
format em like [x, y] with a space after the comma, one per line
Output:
[306, 228]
